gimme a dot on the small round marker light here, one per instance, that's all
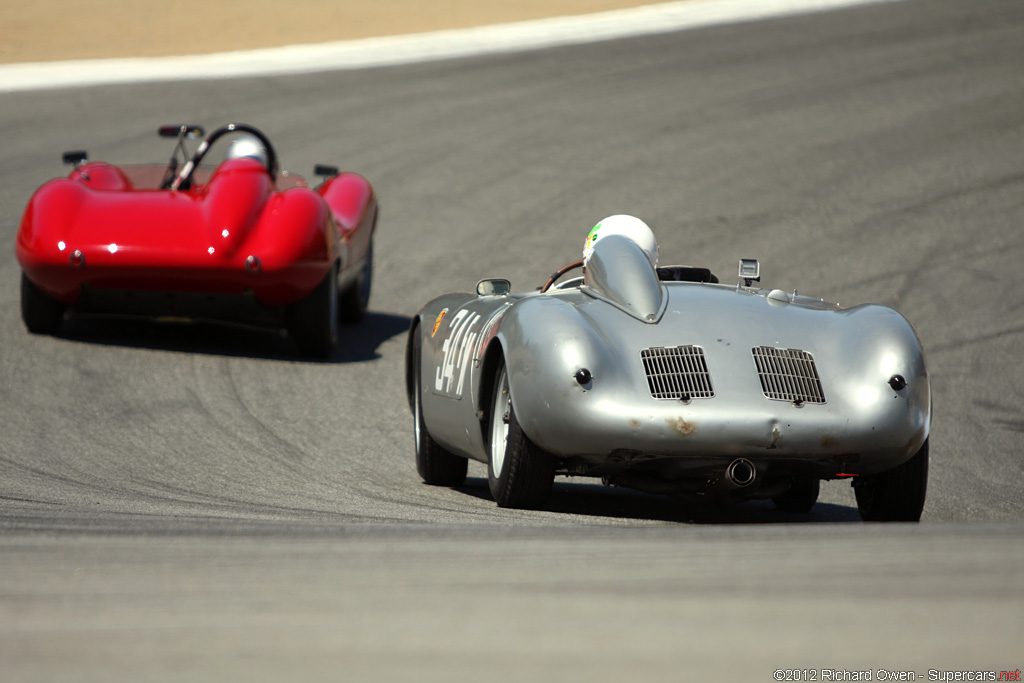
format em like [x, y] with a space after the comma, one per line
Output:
[897, 382]
[583, 376]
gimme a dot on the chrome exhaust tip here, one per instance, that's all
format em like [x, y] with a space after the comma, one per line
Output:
[741, 473]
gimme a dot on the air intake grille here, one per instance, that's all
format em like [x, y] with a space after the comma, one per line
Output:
[679, 372]
[788, 375]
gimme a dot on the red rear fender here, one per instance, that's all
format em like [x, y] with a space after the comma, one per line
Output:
[351, 199]
[44, 224]
[294, 229]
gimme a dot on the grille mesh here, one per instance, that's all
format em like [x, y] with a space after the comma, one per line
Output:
[788, 375]
[678, 372]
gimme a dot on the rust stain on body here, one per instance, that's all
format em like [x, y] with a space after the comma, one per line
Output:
[681, 426]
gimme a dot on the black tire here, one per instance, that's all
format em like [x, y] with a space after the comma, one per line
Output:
[436, 466]
[519, 473]
[313, 321]
[355, 300]
[896, 495]
[800, 497]
[41, 313]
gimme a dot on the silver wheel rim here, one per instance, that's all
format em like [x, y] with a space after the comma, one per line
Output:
[499, 424]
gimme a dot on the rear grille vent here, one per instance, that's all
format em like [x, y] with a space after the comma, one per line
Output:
[788, 375]
[678, 372]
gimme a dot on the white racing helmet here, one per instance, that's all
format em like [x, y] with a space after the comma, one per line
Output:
[629, 227]
[247, 146]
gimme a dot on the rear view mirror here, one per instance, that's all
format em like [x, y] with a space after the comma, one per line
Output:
[493, 287]
[750, 271]
[189, 132]
[75, 158]
[325, 171]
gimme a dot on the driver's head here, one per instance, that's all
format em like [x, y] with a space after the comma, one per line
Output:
[629, 227]
[247, 146]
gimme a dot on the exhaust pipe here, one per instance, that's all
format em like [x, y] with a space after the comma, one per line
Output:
[741, 473]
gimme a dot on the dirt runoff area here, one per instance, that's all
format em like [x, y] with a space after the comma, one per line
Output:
[53, 30]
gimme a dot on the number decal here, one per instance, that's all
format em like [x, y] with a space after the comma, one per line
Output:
[456, 352]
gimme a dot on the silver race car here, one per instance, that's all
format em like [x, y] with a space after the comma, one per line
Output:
[665, 381]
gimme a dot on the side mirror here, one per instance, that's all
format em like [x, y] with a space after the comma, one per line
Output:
[493, 287]
[76, 157]
[325, 171]
[750, 270]
[189, 132]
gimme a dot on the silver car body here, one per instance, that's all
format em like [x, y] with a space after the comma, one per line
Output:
[660, 385]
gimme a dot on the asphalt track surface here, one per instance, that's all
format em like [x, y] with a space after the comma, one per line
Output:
[199, 503]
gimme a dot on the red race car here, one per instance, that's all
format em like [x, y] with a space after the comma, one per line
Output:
[238, 242]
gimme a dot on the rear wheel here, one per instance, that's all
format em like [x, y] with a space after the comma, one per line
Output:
[801, 496]
[41, 313]
[519, 473]
[313, 321]
[896, 495]
[356, 298]
[436, 466]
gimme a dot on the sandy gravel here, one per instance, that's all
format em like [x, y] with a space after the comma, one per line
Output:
[49, 30]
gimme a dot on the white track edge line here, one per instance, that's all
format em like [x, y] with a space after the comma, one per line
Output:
[409, 49]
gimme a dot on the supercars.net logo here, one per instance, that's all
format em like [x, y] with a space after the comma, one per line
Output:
[893, 675]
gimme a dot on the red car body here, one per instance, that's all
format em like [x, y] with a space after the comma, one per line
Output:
[239, 243]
